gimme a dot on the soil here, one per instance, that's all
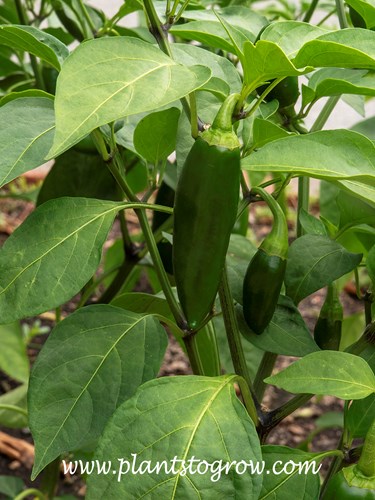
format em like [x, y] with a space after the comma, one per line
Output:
[293, 431]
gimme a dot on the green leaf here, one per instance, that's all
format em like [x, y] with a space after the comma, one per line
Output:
[91, 363]
[337, 81]
[265, 131]
[8, 67]
[52, 255]
[286, 334]
[291, 35]
[10, 418]
[332, 373]
[221, 68]
[316, 261]
[36, 42]
[352, 329]
[143, 303]
[155, 135]
[206, 421]
[366, 9]
[25, 93]
[328, 154]
[26, 135]
[347, 48]
[354, 212]
[265, 60]
[279, 485]
[311, 224]
[13, 358]
[360, 416]
[206, 28]
[11, 485]
[78, 174]
[106, 79]
[362, 191]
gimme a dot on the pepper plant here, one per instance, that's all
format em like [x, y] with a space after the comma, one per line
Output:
[186, 121]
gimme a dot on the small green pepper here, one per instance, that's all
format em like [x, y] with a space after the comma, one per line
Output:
[358, 480]
[265, 273]
[327, 331]
[286, 92]
[204, 214]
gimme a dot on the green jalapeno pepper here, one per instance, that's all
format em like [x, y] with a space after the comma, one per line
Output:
[265, 273]
[327, 331]
[204, 214]
[358, 480]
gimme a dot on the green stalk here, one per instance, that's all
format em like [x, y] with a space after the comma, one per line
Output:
[34, 63]
[31, 491]
[50, 479]
[310, 11]
[264, 370]
[303, 201]
[366, 462]
[274, 417]
[341, 14]
[14, 408]
[193, 354]
[233, 335]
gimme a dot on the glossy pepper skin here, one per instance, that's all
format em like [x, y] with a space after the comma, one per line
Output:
[204, 214]
[286, 92]
[327, 331]
[265, 273]
[356, 481]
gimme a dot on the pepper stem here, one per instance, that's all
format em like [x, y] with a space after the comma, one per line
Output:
[221, 132]
[276, 243]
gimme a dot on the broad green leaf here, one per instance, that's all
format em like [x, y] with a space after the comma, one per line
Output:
[358, 189]
[155, 135]
[291, 35]
[143, 303]
[26, 135]
[13, 358]
[206, 421]
[360, 416]
[11, 485]
[78, 174]
[366, 127]
[332, 373]
[366, 9]
[91, 363]
[266, 60]
[328, 154]
[265, 131]
[354, 211]
[18, 398]
[8, 67]
[220, 67]
[36, 42]
[240, 252]
[352, 329]
[286, 334]
[315, 261]
[25, 93]
[207, 29]
[311, 224]
[347, 48]
[52, 255]
[337, 81]
[106, 79]
[300, 479]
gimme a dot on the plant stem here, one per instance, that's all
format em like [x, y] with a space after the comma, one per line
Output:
[341, 14]
[50, 478]
[39, 80]
[334, 467]
[193, 354]
[87, 16]
[368, 299]
[264, 370]
[31, 491]
[193, 115]
[310, 11]
[274, 417]
[233, 334]
[14, 408]
[303, 201]
[156, 28]
[325, 113]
